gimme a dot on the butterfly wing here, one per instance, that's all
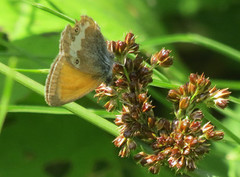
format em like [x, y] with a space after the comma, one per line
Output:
[78, 68]
[68, 83]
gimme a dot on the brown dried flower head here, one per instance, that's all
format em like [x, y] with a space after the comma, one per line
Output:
[178, 143]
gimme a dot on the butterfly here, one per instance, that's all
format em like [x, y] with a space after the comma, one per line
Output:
[82, 64]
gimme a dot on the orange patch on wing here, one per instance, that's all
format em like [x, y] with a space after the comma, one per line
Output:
[74, 84]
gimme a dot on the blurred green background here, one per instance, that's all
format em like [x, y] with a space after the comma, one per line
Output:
[44, 145]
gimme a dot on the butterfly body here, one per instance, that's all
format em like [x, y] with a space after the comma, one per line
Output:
[82, 64]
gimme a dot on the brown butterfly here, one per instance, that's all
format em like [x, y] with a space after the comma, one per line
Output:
[82, 64]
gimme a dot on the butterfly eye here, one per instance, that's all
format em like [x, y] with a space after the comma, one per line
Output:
[77, 61]
[76, 29]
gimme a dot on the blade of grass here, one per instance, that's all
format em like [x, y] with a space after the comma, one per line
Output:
[161, 84]
[54, 110]
[234, 100]
[228, 112]
[231, 84]
[73, 107]
[54, 6]
[195, 39]
[39, 71]
[7, 92]
[51, 11]
[217, 123]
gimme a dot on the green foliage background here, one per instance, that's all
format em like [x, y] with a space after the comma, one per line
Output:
[47, 145]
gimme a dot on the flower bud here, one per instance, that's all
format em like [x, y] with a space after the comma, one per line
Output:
[142, 97]
[151, 122]
[208, 127]
[120, 47]
[111, 46]
[196, 115]
[130, 39]
[162, 58]
[110, 105]
[131, 144]
[154, 169]
[184, 102]
[119, 141]
[121, 82]
[118, 120]
[173, 95]
[146, 107]
[139, 156]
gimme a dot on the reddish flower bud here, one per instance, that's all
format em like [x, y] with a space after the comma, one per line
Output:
[142, 97]
[183, 89]
[151, 121]
[184, 102]
[208, 127]
[146, 107]
[195, 126]
[110, 105]
[214, 135]
[133, 48]
[121, 82]
[190, 141]
[196, 115]
[154, 169]
[180, 162]
[219, 97]
[173, 95]
[111, 45]
[191, 88]
[119, 141]
[183, 125]
[131, 144]
[139, 156]
[120, 46]
[193, 78]
[162, 58]
[124, 152]
[130, 39]
[118, 120]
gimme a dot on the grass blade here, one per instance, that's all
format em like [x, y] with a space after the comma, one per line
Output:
[38, 71]
[54, 110]
[51, 11]
[195, 39]
[7, 92]
[54, 6]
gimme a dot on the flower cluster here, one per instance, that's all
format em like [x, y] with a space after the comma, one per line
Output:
[197, 90]
[178, 143]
